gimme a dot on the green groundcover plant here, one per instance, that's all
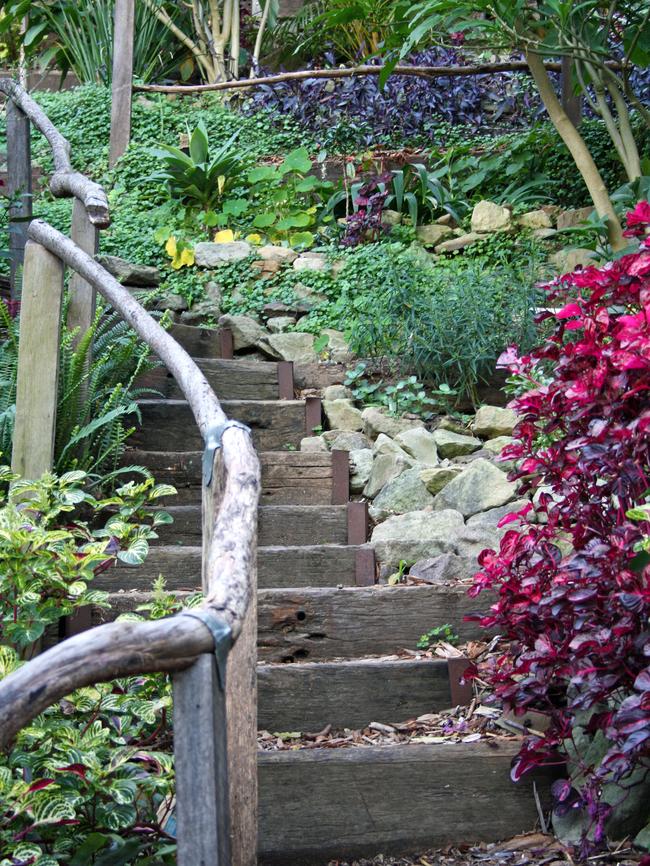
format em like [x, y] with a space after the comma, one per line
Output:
[90, 780]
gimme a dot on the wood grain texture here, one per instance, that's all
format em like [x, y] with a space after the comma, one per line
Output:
[230, 380]
[38, 363]
[169, 424]
[308, 696]
[122, 79]
[19, 187]
[288, 477]
[319, 804]
[200, 342]
[315, 624]
[81, 294]
[288, 525]
[314, 565]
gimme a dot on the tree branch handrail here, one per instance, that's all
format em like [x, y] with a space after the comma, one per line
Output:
[177, 644]
[65, 181]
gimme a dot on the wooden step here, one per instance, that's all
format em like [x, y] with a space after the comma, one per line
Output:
[349, 694]
[322, 804]
[313, 565]
[231, 380]
[169, 424]
[288, 477]
[356, 622]
[203, 342]
[289, 525]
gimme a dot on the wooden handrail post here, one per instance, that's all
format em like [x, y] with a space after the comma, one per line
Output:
[122, 81]
[19, 171]
[38, 362]
[82, 296]
[241, 696]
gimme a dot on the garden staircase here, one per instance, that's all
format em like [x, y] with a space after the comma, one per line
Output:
[326, 634]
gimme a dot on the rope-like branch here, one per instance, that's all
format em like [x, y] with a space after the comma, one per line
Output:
[65, 182]
[126, 648]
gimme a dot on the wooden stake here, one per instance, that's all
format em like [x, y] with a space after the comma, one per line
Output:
[81, 309]
[38, 363]
[122, 79]
[19, 170]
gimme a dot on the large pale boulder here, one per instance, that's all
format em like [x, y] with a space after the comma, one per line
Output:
[310, 262]
[430, 235]
[313, 444]
[493, 421]
[337, 346]
[488, 216]
[348, 441]
[384, 468]
[489, 520]
[246, 332]
[391, 217]
[280, 324]
[569, 260]
[375, 422]
[445, 568]
[404, 493]
[209, 255]
[336, 392]
[385, 445]
[535, 219]
[342, 415]
[451, 444]
[436, 478]
[130, 274]
[480, 487]
[420, 444]
[295, 346]
[567, 219]
[416, 535]
[495, 446]
[361, 461]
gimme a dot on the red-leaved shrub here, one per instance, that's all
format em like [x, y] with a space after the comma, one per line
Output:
[573, 594]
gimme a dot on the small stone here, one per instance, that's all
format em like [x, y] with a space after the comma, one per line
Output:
[375, 422]
[489, 519]
[493, 421]
[309, 295]
[496, 445]
[337, 347]
[535, 219]
[349, 440]
[310, 262]
[171, 301]
[446, 568]
[210, 255]
[294, 346]
[488, 216]
[420, 444]
[272, 253]
[430, 235]
[458, 243]
[391, 217]
[280, 324]
[213, 292]
[202, 311]
[449, 423]
[385, 445]
[246, 332]
[446, 220]
[455, 444]
[275, 309]
[569, 260]
[361, 461]
[266, 267]
[435, 479]
[342, 415]
[404, 493]
[313, 444]
[479, 488]
[127, 273]
[336, 392]
[384, 468]
[567, 219]
[415, 535]
[544, 234]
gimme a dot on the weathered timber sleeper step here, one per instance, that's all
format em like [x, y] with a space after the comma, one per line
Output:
[169, 424]
[203, 342]
[314, 565]
[288, 477]
[231, 380]
[320, 624]
[351, 694]
[290, 525]
[319, 804]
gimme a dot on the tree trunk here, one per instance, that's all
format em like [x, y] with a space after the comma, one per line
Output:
[578, 150]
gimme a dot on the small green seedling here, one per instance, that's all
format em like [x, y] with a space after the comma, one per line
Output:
[442, 632]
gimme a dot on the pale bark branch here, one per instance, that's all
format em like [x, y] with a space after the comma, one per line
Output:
[65, 181]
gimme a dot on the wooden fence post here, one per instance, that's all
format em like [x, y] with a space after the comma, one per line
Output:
[82, 296]
[19, 187]
[38, 363]
[122, 81]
